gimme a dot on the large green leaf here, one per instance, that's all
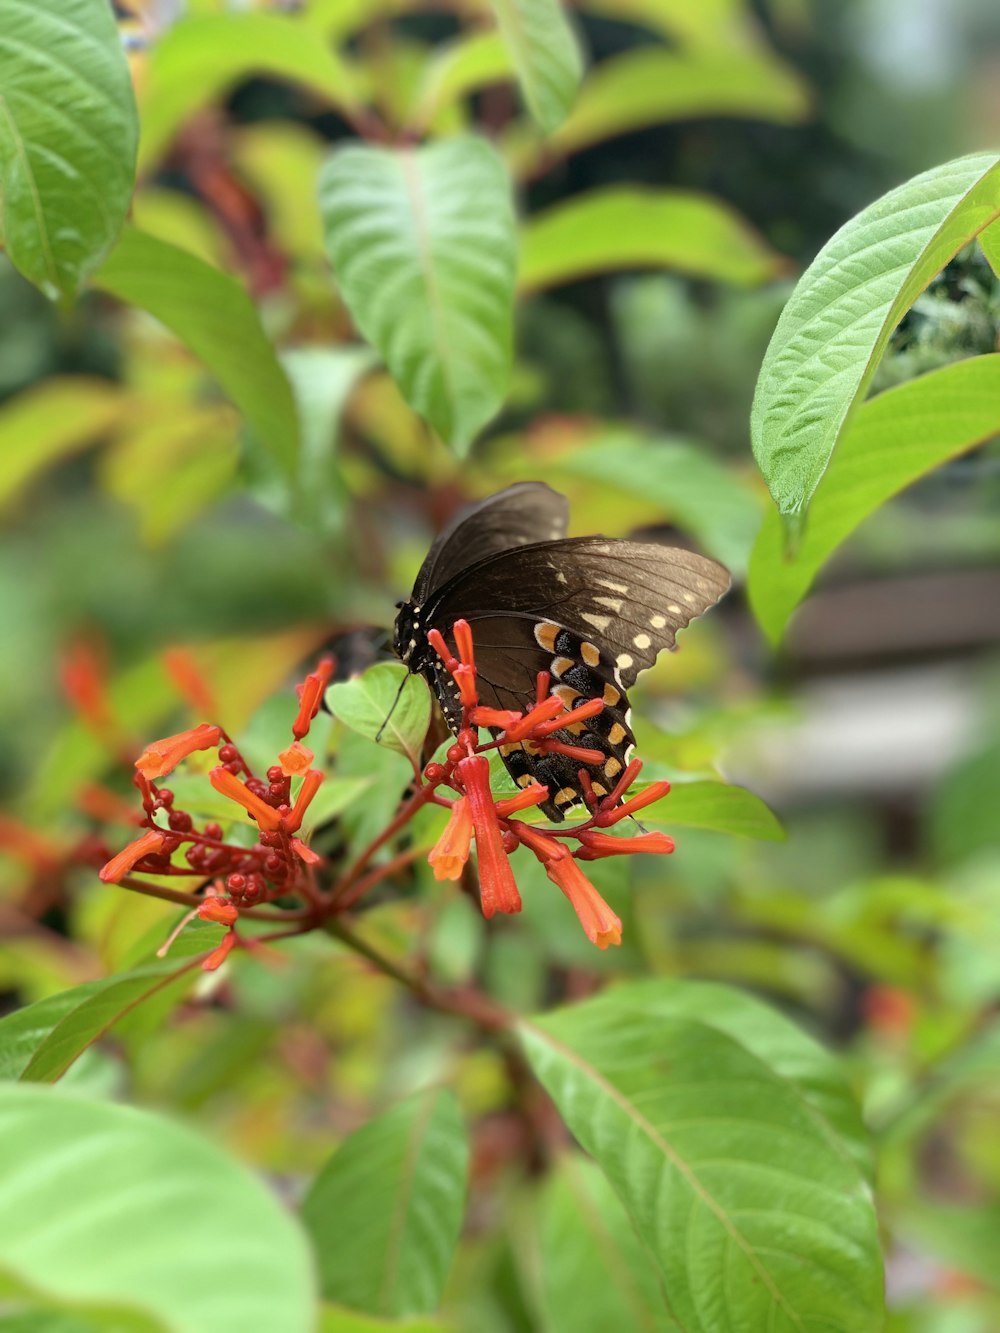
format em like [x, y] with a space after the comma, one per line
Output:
[68, 133]
[423, 244]
[39, 1042]
[386, 1210]
[202, 56]
[694, 490]
[386, 700]
[890, 442]
[735, 1146]
[651, 85]
[581, 1254]
[546, 56]
[629, 227]
[106, 1204]
[212, 315]
[714, 23]
[834, 328]
[717, 806]
[50, 421]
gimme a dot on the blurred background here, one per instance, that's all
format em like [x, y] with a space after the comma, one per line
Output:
[139, 518]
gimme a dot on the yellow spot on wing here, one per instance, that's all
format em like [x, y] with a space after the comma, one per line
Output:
[545, 635]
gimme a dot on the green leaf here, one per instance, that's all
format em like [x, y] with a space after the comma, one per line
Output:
[652, 85]
[212, 315]
[989, 241]
[835, 327]
[170, 467]
[458, 69]
[386, 1210]
[334, 1320]
[891, 441]
[39, 1042]
[365, 704]
[735, 1146]
[717, 806]
[323, 379]
[630, 227]
[68, 133]
[588, 1265]
[423, 245]
[700, 495]
[546, 56]
[200, 57]
[106, 1204]
[963, 813]
[715, 23]
[50, 421]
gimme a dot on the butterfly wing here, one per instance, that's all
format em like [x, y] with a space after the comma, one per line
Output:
[628, 599]
[527, 512]
[591, 611]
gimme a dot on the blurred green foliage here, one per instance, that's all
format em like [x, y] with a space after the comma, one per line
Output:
[202, 453]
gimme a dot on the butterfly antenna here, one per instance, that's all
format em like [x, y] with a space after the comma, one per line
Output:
[388, 716]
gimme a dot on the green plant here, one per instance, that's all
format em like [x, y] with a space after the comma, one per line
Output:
[530, 1133]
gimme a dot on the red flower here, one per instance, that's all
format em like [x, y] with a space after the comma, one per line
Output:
[218, 910]
[229, 785]
[601, 926]
[190, 684]
[311, 783]
[148, 844]
[596, 845]
[311, 696]
[219, 955]
[161, 757]
[497, 889]
[295, 760]
[451, 851]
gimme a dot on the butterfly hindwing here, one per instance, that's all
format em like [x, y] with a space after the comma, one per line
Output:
[510, 652]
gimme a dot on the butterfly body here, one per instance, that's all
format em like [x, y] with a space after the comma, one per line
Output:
[591, 611]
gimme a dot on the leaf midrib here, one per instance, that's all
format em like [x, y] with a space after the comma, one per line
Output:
[679, 1164]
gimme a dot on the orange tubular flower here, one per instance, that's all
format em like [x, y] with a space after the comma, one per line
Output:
[305, 853]
[161, 757]
[218, 956]
[310, 786]
[218, 910]
[311, 696]
[119, 866]
[451, 851]
[229, 785]
[190, 684]
[601, 926]
[498, 891]
[654, 792]
[596, 844]
[295, 760]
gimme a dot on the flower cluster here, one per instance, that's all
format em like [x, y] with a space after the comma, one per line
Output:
[278, 865]
[236, 880]
[475, 813]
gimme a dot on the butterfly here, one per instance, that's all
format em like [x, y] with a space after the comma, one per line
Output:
[591, 611]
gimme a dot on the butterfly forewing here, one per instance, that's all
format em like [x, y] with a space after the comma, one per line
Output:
[527, 512]
[591, 611]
